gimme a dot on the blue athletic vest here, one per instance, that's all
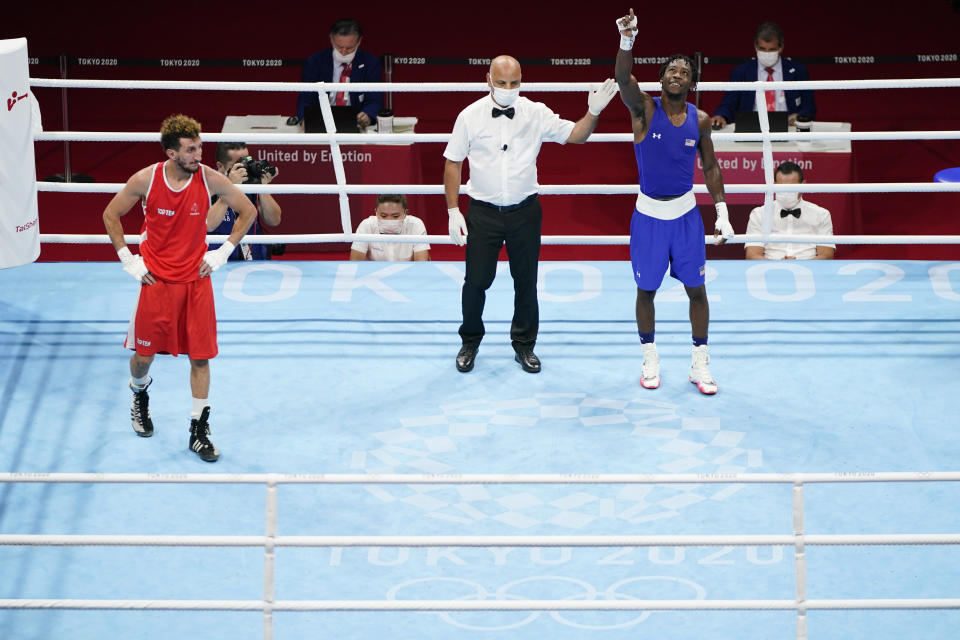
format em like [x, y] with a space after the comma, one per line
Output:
[666, 157]
[258, 251]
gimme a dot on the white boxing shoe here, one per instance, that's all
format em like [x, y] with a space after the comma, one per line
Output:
[650, 376]
[700, 373]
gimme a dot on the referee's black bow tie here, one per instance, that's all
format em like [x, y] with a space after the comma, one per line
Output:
[790, 212]
[509, 111]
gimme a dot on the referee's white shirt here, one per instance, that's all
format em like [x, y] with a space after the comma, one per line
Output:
[502, 152]
[814, 220]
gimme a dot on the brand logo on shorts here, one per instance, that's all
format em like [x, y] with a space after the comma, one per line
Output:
[703, 269]
[165, 212]
[141, 341]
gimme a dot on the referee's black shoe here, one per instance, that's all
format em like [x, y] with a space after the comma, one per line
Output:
[528, 360]
[468, 353]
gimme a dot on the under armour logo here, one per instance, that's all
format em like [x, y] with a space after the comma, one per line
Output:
[658, 135]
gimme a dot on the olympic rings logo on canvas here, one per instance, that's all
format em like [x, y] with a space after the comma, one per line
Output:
[540, 588]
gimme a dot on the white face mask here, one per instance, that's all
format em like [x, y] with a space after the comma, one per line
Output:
[788, 200]
[389, 226]
[344, 59]
[768, 58]
[505, 97]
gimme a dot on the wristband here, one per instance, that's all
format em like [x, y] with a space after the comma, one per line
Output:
[453, 210]
[721, 208]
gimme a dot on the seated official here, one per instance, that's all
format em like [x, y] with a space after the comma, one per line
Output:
[220, 217]
[791, 215]
[769, 65]
[344, 61]
[391, 218]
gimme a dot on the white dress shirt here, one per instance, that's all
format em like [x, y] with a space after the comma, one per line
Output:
[502, 151]
[813, 220]
[777, 77]
[391, 251]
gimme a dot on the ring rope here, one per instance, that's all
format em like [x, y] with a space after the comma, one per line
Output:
[307, 238]
[268, 605]
[544, 189]
[528, 87]
[482, 605]
[769, 540]
[390, 138]
[343, 190]
[482, 478]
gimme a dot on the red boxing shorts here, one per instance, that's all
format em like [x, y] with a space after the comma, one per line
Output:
[175, 318]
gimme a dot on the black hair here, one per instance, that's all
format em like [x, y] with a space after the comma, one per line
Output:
[787, 168]
[223, 157]
[399, 198]
[695, 72]
[769, 31]
[346, 27]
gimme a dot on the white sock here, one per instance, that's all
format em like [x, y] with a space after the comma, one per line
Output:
[198, 405]
[140, 382]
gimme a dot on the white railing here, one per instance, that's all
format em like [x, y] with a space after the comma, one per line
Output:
[482, 87]
[341, 189]
[799, 539]
[274, 238]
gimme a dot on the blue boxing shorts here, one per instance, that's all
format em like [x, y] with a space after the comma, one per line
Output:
[656, 244]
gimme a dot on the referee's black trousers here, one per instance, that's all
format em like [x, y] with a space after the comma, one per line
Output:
[487, 230]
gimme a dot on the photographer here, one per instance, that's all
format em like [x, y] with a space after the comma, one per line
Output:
[234, 161]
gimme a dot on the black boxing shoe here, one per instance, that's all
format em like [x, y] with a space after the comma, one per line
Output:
[140, 410]
[200, 437]
[468, 353]
[528, 360]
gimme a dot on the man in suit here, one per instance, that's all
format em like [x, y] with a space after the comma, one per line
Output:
[767, 65]
[344, 59]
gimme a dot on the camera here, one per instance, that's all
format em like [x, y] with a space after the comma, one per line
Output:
[255, 169]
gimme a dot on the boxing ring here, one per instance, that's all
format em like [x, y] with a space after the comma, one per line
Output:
[361, 473]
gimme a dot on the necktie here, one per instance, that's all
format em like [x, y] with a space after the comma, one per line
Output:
[341, 99]
[509, 111]
[771, 95]
[790, 212]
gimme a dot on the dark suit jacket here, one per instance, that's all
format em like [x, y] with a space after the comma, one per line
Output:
[366, 68]
[800, 102]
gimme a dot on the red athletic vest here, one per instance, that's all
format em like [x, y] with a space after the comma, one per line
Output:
[175, 223]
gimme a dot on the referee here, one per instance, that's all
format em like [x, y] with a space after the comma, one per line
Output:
[501, 135]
